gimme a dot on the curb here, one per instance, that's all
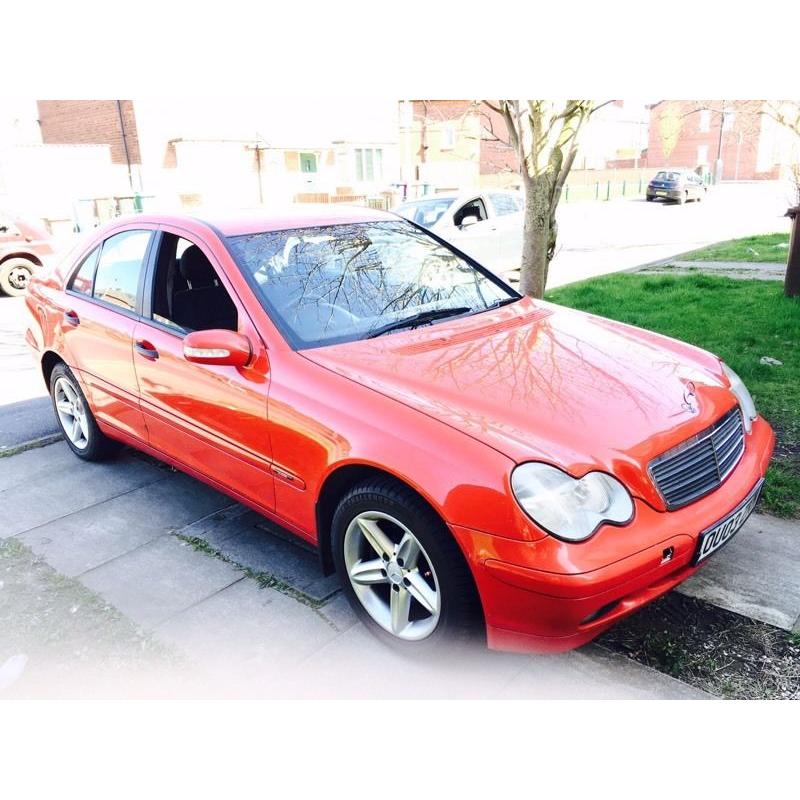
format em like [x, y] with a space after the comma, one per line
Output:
[42, 441]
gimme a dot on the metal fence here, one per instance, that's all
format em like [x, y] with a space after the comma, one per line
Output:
[610, 188]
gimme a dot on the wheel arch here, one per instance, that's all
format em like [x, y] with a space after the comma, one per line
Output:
[34, 259]
[49, 361]
[335, 485]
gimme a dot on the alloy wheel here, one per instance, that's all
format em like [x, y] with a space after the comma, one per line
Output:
[18, 277]
[392, 576]
[71, 413]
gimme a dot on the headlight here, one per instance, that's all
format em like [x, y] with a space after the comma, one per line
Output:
[567, 507]
[743, 396]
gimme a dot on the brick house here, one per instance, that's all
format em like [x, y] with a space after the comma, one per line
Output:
[453, 144]
[95, 122]
[694, 133]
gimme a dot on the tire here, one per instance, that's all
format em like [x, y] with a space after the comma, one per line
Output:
[87, 440]
[396, 511]
[14, 276]
[650, 198]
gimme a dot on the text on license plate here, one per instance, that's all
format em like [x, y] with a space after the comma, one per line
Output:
[661, 194]
[716, 536]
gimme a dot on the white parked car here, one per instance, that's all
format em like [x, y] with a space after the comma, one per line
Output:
[486, 225]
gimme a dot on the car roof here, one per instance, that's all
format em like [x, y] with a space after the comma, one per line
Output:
[241, 222]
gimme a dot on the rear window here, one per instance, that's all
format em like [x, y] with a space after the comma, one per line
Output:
[505, 204]
[668, 176]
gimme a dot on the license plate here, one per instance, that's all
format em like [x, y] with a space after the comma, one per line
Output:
[723, 531]
[661, 194]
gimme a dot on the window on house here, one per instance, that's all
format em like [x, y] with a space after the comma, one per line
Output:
[727, 120]
[448, 137]
[308, 162]
[117, 277]
[369, 164]
[702, 154]
[705, 121]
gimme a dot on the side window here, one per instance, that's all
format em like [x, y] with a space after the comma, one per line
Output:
[475, 208]
[119, 268]
[504, 204]
[187, 292]
[83, 279]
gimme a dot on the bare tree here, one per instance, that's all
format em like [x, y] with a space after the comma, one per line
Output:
[545, 134]
[670, 124]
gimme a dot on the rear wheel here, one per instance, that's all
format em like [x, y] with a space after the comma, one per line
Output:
[15, 275]
[401, 569]
[75, 418]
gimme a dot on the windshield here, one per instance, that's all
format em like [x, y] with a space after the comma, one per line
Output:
[345, 282]
[425, 212]
[668, 176]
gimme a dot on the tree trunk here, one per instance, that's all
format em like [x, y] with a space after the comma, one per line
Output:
[539, 235]
[791, 284]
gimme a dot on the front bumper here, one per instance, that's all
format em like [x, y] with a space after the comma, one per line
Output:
[538, 597]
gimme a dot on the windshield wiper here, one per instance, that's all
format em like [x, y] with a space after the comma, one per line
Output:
[503, 301]
[419, 319]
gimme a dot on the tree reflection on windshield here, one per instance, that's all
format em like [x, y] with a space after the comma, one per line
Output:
[344, 282]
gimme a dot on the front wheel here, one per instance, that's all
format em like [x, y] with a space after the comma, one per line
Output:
[401, 569]
[15, 275]
[75, 418]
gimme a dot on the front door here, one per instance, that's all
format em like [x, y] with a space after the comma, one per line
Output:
[475, 238]
[213, 419]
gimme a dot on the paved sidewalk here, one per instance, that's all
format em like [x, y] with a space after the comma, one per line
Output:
[245, 611]
[757, 574]
[742, 270]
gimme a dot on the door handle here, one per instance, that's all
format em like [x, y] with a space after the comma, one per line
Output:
[144, 348]
[71, 318]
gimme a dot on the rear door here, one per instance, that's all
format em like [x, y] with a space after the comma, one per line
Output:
[103, 296]
[211, 418]
[508, 209]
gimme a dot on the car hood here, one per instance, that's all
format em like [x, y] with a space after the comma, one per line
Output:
[537, 381]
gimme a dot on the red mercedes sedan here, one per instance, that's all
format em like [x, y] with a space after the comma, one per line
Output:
[466, 459]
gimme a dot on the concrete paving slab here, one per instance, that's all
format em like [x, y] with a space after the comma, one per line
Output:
[248, 635]
[756, 574]
[22, 468]
[593, 673]
[90, 537]
[62, 487]
[253, 542]
[356, 665]
[159, 579]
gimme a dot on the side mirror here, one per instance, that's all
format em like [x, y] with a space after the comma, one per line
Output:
[217, 347]
[469, 220]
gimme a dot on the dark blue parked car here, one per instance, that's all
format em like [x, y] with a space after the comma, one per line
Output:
[679, 185]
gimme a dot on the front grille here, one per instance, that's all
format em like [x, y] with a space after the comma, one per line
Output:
[700, 464]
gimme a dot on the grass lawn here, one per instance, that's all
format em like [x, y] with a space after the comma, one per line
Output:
[738, 320]
[770, 247]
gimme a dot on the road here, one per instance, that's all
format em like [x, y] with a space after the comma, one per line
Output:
[599, 238]
[595, 238]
